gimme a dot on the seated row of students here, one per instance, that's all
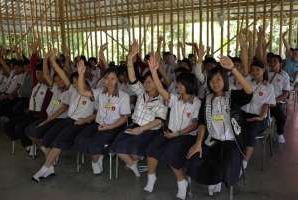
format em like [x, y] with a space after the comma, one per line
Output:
[203, 137]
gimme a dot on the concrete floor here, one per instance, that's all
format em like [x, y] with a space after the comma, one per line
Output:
[279, 180]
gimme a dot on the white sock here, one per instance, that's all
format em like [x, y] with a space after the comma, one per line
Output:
[182, 189]
[100, 159]
[151, 178]
[244, 163]
[31, 151]
[40, 173]
[217, 188]
[50, 171]
[135, 169]
[211, 189]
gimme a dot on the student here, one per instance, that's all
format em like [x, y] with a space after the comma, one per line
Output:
[172, 146]
[147, 118]
[38, 103]
[255, 113]
[291, 65]
[113, 109]
[281, 83]
[220, 119]
[80, 113]
[56, 110]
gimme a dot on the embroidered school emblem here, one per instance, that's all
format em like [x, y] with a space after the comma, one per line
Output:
[113, 108]
[84, 102]
[41, 92]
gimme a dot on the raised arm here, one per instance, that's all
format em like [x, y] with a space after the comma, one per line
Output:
[159, 43]
[81, 81]
[66, 67]
[181, 48]
[227, 63]
[58, 70]
[200, 52]
[45, 70]
[130, 68]
[5, 67]
[244, 52]
[287, 45]
[101, 56]
[153, 66]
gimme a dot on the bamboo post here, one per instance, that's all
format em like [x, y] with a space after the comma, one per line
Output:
[254, 26]
[117, 33]
[84, 17]
[152, 27]
[46, 24]
[8, 23]
[2, 29]
[280, 25]
[238, 27]
[192, 25]
[62, 25]
[132, 19]
[57, 24]
[201, 22]
[20, 24]
[178, 32]
[106, 24]
[271, 24]
[96, 31]
[207, 22]
[112, 29]
[72, 29]
[172, 28]
[264, 13]
[221, 31]
[145, 30]
[228, 25]
[164, 25]
[212, 27]
[67, 24]
[100, 23]
[184, 26]
[290, 23]
[140, 27]
[42, 36]
[157, 18]
[90, 28]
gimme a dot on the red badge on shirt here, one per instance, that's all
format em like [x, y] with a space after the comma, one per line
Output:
[261, 93]
[113, 108]
[188, 114]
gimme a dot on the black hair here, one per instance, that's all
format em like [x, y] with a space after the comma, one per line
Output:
[112, 69]
[147, 57]
[278, 57]
[190, 82]
[92, 59]
[181, 70]
[218, 70]
[187, 61]
[39, 66]
[209, 59]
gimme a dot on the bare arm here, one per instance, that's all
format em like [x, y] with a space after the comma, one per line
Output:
[59, 71]
[154, 65]
[120, 122]
[197, 147]
[130, 68]
[81, 80]
[45, 70]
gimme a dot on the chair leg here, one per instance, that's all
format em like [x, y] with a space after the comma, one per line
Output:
[110, 166]
[189, 192]
[83, 158]
[12, 147]
[78, 164]
[231, 193]
[263, 154]
[116, 166]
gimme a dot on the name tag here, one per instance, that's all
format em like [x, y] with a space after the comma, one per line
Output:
[218, 118]
[56, 102]
[109, 106]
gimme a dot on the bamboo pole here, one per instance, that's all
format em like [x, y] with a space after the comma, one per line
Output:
[132, 20]
[152, 27]
[62, 24]
[164, 25]
[123, 32]
[157, 20]
[238, 27]
[228, 25]
[271, 24]
[264, 13]
[20, 24]
[221, 32]
[184, 27]
[207, 22]
[106, 23]
[192, 25]
[117, 33]
[212, 28]
[140, 27]
[72, 31]
[201, 22]
[290, 23]
[100, 23]
[254, 26]
[2, 29]
[178, 32]
[67, 24]
[90, 29]
[8, 24]
[57, 24]
[280, 26]
[145, 30]
[172, 28]
[112, 31]
[77, 27]
[42, 36]
[46, 24]
[87, 35]
[96, 31]
[36, 17]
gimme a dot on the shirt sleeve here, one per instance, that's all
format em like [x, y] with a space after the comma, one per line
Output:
[239, 98]
[125, 105]
[173, 100]
[196, 109]
[137, 88]
[161, 111]
[286, 83]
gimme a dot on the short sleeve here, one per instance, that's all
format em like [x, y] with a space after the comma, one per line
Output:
[125, 105]
[196, 109]
[173, 100]
[286, 83]
[161, 112]
[239, 98]
[137, 88]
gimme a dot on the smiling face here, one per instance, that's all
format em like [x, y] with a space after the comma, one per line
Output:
[181, 88]
[149, 85]
[275, 65]
[216, 83]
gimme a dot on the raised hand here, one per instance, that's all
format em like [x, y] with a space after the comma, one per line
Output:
[285, 33]
[81, 67]
[242, 40]
[154, 62]
[134, 49]
[226, 62]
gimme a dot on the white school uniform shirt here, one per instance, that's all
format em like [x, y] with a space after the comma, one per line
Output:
[262, 94]
[79, 106]
[58, 97]
[182, 114]
[110, 108]
[221, 131]
[234, 84]
[147, 109]
[280, 82]
[14, 83]
[37, 97]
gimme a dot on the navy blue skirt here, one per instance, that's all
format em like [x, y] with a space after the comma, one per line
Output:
[252, 130]
[172, 151]
[35, 131]
[219, 163]
[93, 142]
[134, 144]
[66, 136]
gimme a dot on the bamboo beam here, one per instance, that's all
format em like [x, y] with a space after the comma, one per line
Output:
[117, 33]
[106, 22]
[201, 23]
[178, 33]
[2, 29]
[280, 26]
[112, 32]
[254, 27]
[57, 26]
[290, 23]
[172, 28]
[8, 24]
[62, 24]
[228, 26]
[152, 28]
[238, 27]
[212, 28]
[96, 32]
[271, 24]
[221, 32]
